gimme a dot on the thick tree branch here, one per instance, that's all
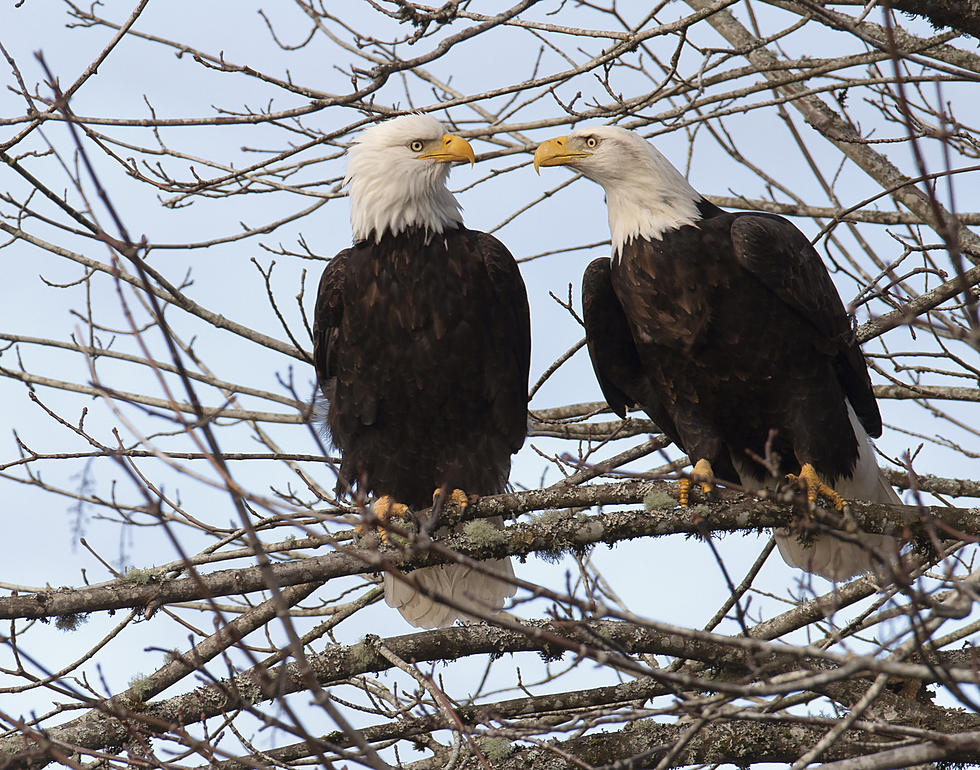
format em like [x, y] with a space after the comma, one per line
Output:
[568, 532]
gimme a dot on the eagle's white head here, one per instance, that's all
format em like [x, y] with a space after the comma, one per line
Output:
[397, 173]
[645, 195]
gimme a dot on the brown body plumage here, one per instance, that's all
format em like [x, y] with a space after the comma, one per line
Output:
[422, 349]
[744, 336]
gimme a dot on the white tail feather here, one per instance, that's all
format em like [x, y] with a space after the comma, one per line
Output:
[829, 556]
[482, 594]
[471, 590]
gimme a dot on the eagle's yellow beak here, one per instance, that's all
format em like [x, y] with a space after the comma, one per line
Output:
[450, 149]
[556, 152]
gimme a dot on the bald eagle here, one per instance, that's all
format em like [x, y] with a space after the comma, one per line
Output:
[727, 330]
[421, 341]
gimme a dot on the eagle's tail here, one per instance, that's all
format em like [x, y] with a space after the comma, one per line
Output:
[464, 587]
[482, 594]
[831, 557]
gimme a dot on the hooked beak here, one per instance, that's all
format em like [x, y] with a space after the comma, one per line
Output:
[451, 148]
[555, 152]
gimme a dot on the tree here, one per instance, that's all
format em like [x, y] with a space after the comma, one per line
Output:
[173, 173]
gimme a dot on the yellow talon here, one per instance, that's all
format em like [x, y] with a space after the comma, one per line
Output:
[814, 487]
[385, 508]
[701, 473]
[456, 497]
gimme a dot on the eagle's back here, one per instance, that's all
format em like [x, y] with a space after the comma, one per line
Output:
[422, 348]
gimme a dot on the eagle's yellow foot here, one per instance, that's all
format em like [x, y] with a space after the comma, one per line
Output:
[814, 487]
[456, 497]
[701, 473]
[384, 508]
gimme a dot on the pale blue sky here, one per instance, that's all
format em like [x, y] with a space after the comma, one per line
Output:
[40, 530]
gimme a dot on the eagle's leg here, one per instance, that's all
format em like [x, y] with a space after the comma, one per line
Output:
[701, 473]
[456, 497]
[814, 487]
[384, 509]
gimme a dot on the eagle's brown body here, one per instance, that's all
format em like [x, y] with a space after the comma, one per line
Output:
[739, 339]
[422, 348]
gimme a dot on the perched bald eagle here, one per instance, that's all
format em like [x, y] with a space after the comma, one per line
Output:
[727, 330]
[421, 341]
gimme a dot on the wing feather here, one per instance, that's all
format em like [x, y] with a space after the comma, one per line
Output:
[615, 359]
[508, 361]
[780, 256]
[327, 317]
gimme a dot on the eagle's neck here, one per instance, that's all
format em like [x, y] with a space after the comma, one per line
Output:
[647, 198]
[385, 202]
[408, 244]
[650, 215]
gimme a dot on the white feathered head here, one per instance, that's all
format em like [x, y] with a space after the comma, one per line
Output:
[645, 194]
[397, 173]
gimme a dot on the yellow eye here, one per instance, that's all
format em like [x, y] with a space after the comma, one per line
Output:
[416, 146]
[591, 142]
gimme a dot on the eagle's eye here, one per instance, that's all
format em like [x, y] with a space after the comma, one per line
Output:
[416, 146]
[591, 142]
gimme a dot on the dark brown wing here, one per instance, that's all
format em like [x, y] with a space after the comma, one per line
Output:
[509, 359]
[780, 256]
[615, 360]
[327, 316]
